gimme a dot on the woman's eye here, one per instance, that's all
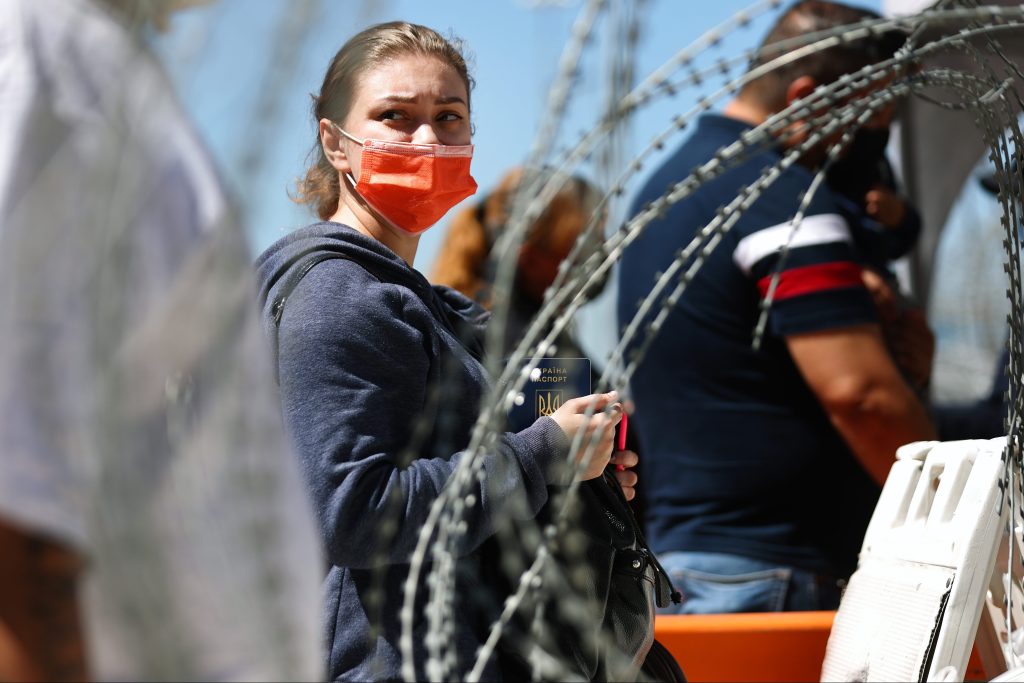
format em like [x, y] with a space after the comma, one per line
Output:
[450, 116]
[390, 115]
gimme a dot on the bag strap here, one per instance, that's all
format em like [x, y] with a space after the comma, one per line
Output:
[664, 589]
[277, 308]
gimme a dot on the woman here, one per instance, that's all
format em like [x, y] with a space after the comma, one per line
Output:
[379, 391]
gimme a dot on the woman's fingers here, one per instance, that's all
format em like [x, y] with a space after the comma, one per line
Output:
[625, 458]
[627, 482]
[595, 431]
[595, 402]
[599, 427]
[627, 478]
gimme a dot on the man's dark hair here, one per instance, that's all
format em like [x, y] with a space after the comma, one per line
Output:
[824, 66]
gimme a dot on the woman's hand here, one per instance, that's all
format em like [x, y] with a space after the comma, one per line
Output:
[598, 430]
[627, 477]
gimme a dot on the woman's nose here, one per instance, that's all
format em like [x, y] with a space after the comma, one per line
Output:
[426, 135]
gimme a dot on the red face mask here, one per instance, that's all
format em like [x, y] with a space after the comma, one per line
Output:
[412, 185]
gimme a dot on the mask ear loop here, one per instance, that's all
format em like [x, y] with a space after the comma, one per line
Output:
[341, 131]
[353, 138]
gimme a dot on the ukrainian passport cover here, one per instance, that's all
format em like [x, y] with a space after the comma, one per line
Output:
[552, 383]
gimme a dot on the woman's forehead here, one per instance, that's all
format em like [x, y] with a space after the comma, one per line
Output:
[412, 76]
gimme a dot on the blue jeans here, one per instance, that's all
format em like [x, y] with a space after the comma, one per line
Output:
[714, 583]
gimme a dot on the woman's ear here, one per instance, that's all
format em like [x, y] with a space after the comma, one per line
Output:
[333, 144]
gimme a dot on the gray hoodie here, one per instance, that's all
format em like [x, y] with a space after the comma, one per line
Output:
[379, 396]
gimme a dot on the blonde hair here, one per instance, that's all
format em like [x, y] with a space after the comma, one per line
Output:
[320, 188]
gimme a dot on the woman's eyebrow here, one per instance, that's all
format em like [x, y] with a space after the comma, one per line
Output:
[410, 99]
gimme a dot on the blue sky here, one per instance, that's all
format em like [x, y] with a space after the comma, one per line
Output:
[246, 82]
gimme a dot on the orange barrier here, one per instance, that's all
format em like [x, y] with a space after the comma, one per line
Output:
[776, 646]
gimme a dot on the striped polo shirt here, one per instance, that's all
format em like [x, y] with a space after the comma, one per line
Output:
[737, 455]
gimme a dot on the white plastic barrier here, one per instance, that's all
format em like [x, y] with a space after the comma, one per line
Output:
[911, 610]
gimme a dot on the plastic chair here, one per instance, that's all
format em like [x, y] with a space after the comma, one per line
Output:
[911, 610]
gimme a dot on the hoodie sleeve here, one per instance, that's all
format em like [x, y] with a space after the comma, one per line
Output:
[354, 381]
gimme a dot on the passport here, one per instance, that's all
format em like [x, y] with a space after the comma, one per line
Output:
[553, 382]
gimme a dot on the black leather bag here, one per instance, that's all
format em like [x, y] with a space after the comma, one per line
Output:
[603, 624]
[661, 666]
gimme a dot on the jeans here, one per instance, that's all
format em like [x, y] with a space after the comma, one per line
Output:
[713, 583]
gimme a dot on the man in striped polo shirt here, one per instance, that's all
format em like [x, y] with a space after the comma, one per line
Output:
[761, 466]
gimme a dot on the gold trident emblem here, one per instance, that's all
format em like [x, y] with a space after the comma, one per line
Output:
[548, 402]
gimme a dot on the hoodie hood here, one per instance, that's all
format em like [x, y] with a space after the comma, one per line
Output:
[282, 265]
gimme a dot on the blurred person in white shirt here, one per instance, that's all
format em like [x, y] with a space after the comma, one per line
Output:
[152, 521]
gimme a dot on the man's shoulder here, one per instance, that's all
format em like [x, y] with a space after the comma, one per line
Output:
[711, 133]
[721, 163]
[791, 196]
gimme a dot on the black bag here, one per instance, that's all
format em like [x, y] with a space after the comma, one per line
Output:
[661, 666]
[616, 576]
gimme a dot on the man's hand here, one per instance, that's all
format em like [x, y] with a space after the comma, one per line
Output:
[913, 347]
[906, 332]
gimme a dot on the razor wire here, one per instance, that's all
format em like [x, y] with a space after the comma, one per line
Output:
[991, 92]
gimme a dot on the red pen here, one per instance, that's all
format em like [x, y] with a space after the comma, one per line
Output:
[621, 441]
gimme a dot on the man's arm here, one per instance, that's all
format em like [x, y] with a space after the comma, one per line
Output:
[40, 629]
[851, 372]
